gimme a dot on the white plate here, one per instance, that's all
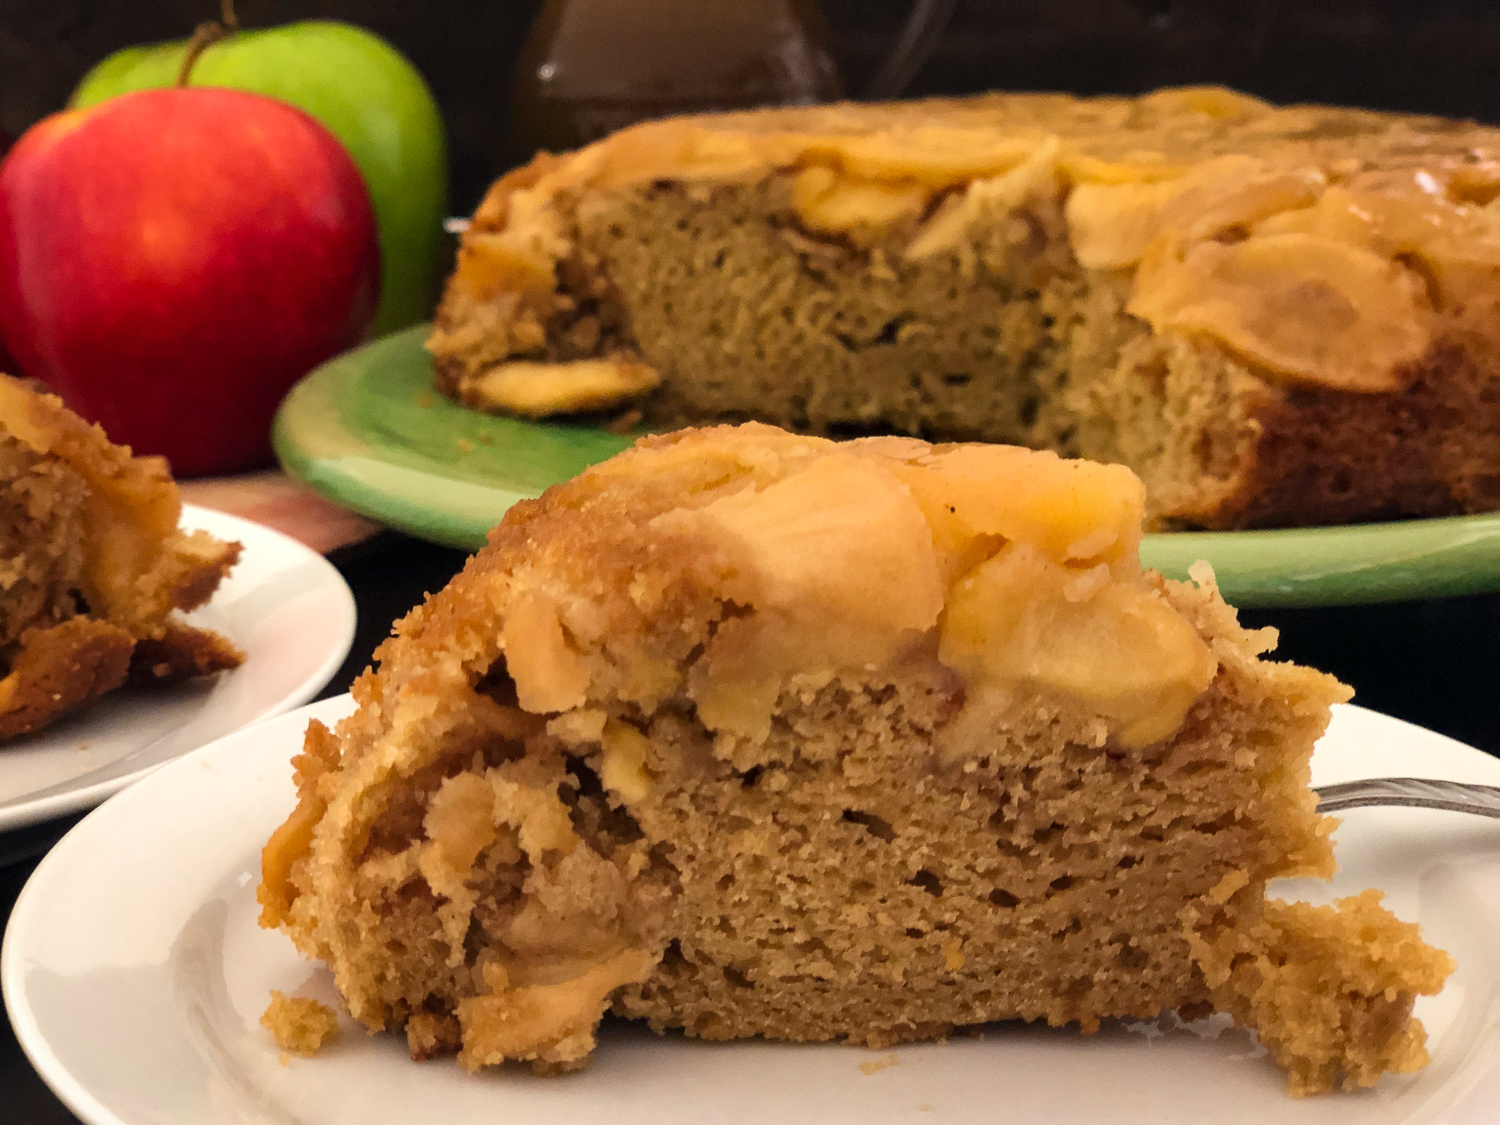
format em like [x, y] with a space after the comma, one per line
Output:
[283, 604]
[135, 977]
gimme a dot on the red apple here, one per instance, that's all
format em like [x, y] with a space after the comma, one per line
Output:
[7, 365]
[172, 261]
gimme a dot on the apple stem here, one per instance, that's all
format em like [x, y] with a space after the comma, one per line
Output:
[205, 35]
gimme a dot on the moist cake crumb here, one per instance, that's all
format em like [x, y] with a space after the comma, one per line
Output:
[299, 1025]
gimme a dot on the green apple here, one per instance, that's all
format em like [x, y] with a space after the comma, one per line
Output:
[367, 94]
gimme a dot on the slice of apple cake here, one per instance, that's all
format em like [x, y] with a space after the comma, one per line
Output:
[748, 733]
[1275, 315]
[93, 567]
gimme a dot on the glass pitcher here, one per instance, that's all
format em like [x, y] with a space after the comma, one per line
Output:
[592, 66]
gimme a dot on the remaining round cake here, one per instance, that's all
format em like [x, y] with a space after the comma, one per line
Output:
[1275, 316]
[748, 733]
[93, 567]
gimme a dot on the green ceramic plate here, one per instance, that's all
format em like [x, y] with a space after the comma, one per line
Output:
[367, 431]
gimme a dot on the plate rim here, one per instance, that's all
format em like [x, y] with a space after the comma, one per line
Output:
[195, 517]
[38, 1051]
[81, 1101]
[1440, 556]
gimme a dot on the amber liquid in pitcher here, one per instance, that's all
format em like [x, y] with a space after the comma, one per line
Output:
[592, 66]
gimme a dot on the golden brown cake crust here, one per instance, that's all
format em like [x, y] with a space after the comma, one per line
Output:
[182, 653]
[746, 733]
[1276, 316]
[60, 668]
[93, 567]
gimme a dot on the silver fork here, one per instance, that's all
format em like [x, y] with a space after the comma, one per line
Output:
[1413, 792]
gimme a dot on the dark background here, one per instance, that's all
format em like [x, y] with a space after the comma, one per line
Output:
[1440, 56]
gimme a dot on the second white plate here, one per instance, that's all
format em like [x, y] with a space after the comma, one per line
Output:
[135, 976]
[283, 604]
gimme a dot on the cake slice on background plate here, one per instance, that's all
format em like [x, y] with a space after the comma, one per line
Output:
[93, 567]
[1276, 316]
[747, 733]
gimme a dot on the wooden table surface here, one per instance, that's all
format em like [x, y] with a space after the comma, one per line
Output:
[1435, 663]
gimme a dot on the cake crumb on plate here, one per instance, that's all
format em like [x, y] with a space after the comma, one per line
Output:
[300, 1026]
